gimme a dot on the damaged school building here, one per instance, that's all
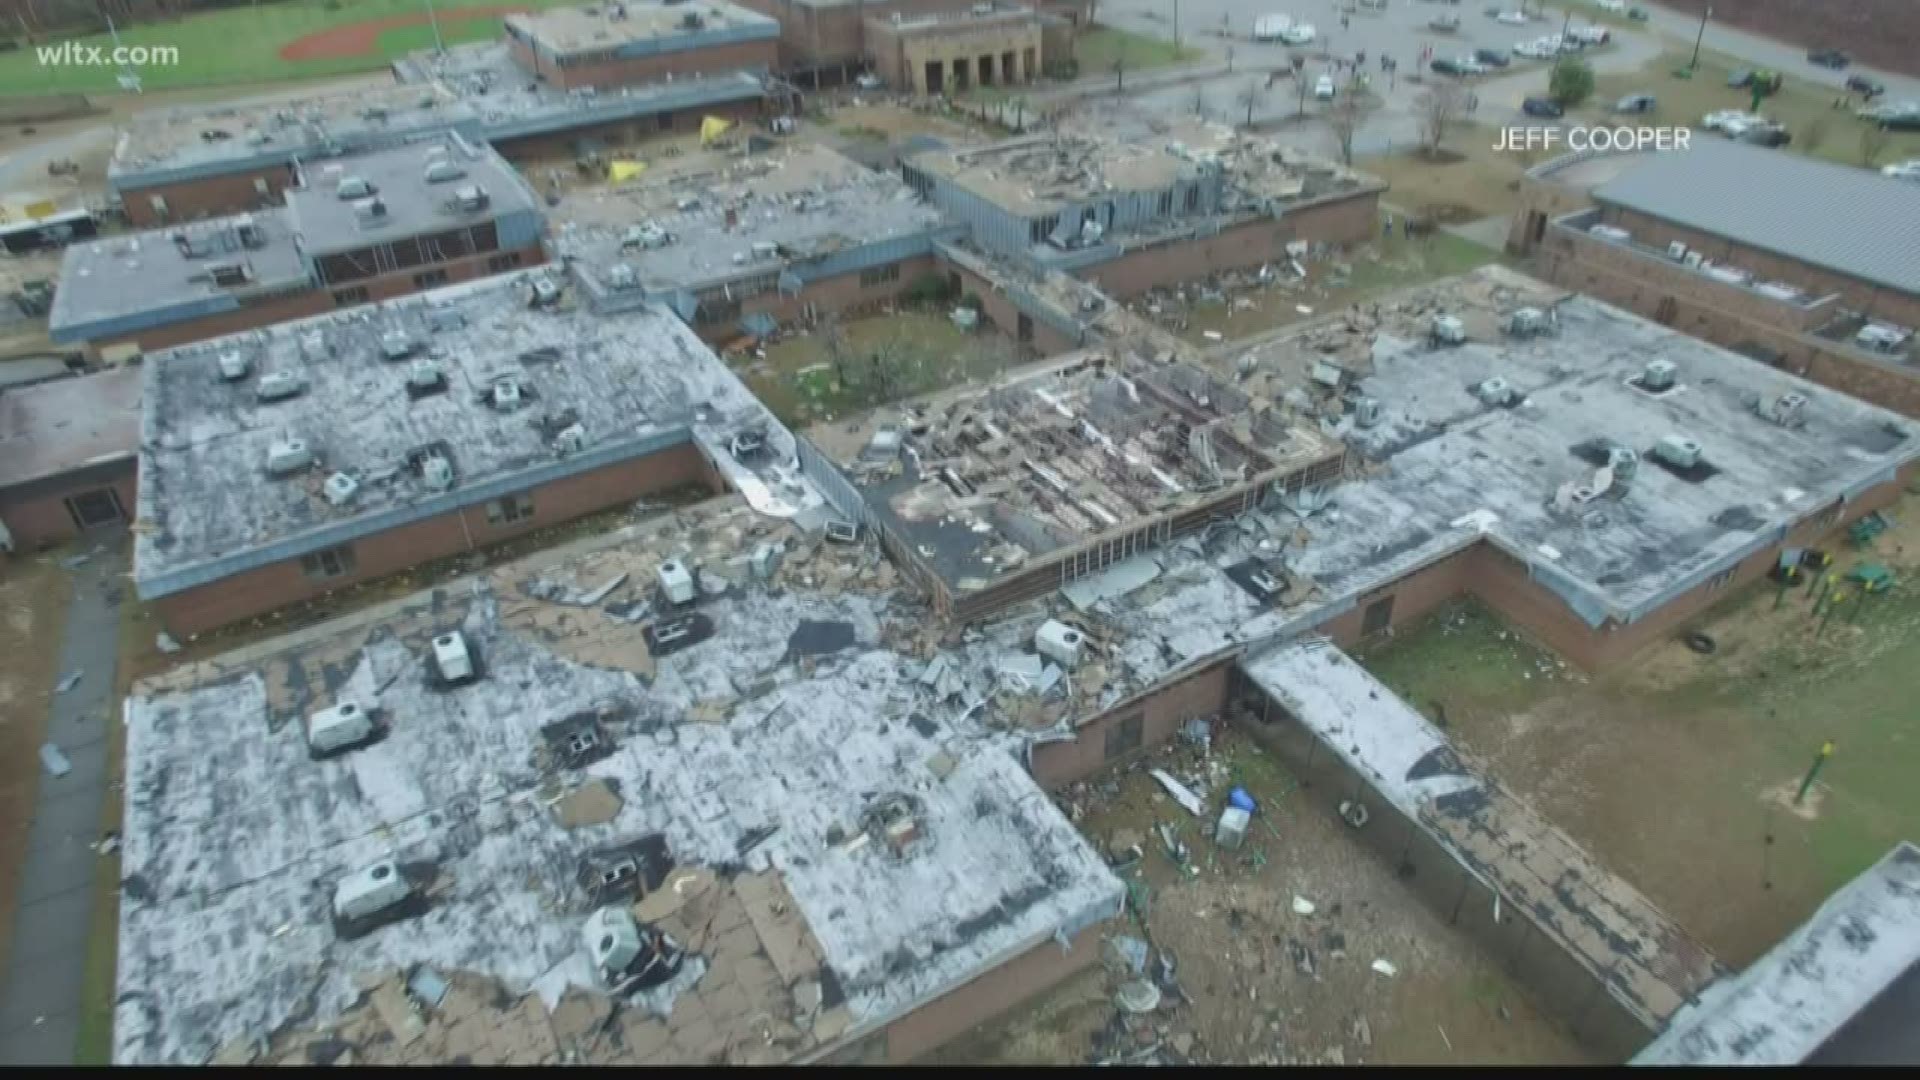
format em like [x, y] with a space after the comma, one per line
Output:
[766, 778]
[354, 229]
[1823, 285]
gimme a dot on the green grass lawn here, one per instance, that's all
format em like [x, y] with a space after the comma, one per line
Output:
[1818, 129]
[882, 359]
[242, 45]
[1097, 49]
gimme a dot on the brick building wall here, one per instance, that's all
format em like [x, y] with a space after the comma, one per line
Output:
[999, 309]
[1541, 200]
[1130, 729]
[553, 146]
[814, 38]
[256, 592]
[630, 70]
[942, 57]
[1724, 314]
[316, 301]
[1024, 977]
[37, 515]
[853, 295]
[1248, 246]
[207, 196]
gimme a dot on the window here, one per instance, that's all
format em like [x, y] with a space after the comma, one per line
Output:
[331, 563]
[665, 121]
[429, 279]
[1193, 200]
[92, 509]
[159, 205]
[1123, 735]
[507, 261]
[349, 297]
[879, 275]
[1719, 580]
[228, 275]
[509, 510]
[1166, 203]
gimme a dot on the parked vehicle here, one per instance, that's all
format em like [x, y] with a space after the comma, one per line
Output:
[1469, 66]
[1829, 58]
[1635, 103]
[1637, 14]
[1860, 84]
[1444, 66]
[1297, 34]
[1590, 35]
[1444, 24]
[1323, 89]
[1511, 18]
[1905, 170]
[1766, 133]
[1613, 6]
[1271, 27]
[1491, 57]
[1542, 106]
[1530, 50]
[1721, 119]
[1906, 121]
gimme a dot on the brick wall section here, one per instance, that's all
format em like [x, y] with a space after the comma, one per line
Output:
[1724, 314]
[1203, 693]
[900, 54]
[1541, 201]
[256, 592]
[628, 71]
[210, 196]
[999, 309]
[1248, 246]
[842, 294]
[1025, 976]
[36, 513]
[306, 302]
[1412, 597]
[818, 36]
[551, 147]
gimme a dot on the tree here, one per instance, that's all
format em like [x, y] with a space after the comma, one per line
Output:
[1873, 143]
[1250, 97]
[1570, 82]
[1344, 118]
[1300, 89]
[1200, 104]
[1439, 107]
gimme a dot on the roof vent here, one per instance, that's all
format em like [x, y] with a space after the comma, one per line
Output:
[1447, 330]
[280, 385]
[437, 472]
[471, 197]
[452, 661]
[1495, 391]
[1625, 462]
[340, 489]
[370, 211]
[440, 171]
[570, 439]
[288, 456]
[370, 891]
[396, 344]
[424, 374]
[354, 187]
[621, 276]
[676, 582]
[234, 365]
[1659, 375]
[1058, 642]
[1787, 409]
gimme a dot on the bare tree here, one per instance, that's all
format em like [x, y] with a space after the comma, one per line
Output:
[1344, 118]
[1200, 104]
[1250, 97]
[1440, 105]
[1300, 89]
[1873, 143]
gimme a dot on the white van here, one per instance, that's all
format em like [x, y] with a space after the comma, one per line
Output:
[1270, 27]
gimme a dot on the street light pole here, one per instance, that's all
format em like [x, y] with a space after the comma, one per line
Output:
[1697, 38]
[434, 20]
[1176, 25]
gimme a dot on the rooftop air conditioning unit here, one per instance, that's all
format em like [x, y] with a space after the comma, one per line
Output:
[1787, 409]
[396, 345]
[423, 374]
[279, 385]
[370, 891]
[621, 277]
[1495, 391]
[451, 660]
[440, 171]
[1366, 412]
[1694, 260]
[545, 291]
[288, 456]
[471, 197]
[613, 941]
[437, 472]
[1625, 462]
[1059, 642]
[234, 365]
[340, 489]
[1676, 251]
[338, 728]
[1527, 322]
[1659, 375]
[1448, 330]
[1610, 232]
[1678, 451]
[369, 211]
[506, 394]
[571, 439]
[676, 582]
[354, 187]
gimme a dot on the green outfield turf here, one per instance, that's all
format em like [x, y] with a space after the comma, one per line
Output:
[243, 45]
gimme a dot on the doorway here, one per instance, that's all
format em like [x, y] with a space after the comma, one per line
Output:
[1378, 617]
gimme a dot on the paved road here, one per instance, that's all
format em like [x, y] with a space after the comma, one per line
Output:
[40, 1004]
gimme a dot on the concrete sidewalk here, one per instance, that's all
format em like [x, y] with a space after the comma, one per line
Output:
[40, 1005]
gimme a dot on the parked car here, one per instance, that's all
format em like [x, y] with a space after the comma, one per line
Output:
[1511, 18]
[1613, 6]
[1444, 66]
[1637, 14]
[1905, 170]
[1829, 58]
[1469, 66]
[1591, 35]
[1860, 84]
[1635, 103]
[1491, 57]
[1721, 119]
[1445, 24]
[1766, 133]
[1297, 34]
[1530, 50]
[1323, 89]
[1900, 121]
[1542, 106]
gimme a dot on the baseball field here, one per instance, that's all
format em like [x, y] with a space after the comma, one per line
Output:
[268, 42]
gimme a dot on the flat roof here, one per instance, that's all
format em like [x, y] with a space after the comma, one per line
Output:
[185, 141]
[1646, 960]
[1794, 1001]
[1446, 469]
[414, 205]
[635, 384]
[982, 481]
[761, 756]
[808, 201]
[65, 424]
[123, 284]
[510, 103]
[1037, 174]
[986, 12]
[640, 27]
[1850, 221]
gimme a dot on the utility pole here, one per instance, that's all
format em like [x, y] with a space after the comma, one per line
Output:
[434, 20]
[1826, 751]
[1176, 25]
[1699, 37]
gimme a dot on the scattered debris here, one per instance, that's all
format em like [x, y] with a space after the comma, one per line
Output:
[1443, 1037]
[594, 803]
[68, 681]
[1180, 792]
[1232, 830]
[1138, 996]
[108, 843]
[55, 761]
[1302, 906]
[1353, 813]
[1130, 952]
[1385, 967]
[1240, 799]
